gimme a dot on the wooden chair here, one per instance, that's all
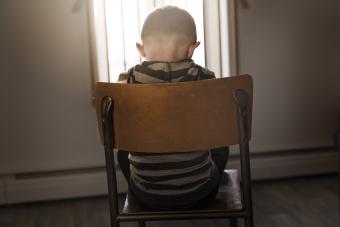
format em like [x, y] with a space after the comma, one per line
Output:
[178, 117]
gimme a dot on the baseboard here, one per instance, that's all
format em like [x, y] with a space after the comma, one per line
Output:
[92, 182]
[292, 163]
[29, 189]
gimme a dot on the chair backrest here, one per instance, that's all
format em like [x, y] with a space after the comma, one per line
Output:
[175, 117]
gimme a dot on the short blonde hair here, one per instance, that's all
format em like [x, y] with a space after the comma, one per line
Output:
[169, 20]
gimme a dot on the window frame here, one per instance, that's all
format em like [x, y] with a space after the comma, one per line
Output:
[220, 50]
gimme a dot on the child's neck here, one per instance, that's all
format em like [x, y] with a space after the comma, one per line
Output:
[166, 60]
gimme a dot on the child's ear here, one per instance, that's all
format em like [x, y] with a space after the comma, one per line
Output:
[140, 48]
[192, 48]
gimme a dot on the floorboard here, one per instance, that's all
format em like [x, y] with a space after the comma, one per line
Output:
[311, 201]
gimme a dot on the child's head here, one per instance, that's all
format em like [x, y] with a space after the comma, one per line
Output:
[168, 34]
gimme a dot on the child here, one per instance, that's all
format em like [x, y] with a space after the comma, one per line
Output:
[177, 180]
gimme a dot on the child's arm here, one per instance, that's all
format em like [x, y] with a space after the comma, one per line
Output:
[122, 78]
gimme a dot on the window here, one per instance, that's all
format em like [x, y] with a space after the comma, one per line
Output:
[116, 26]
[124, 20]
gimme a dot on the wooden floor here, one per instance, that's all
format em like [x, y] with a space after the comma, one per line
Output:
[299, 202]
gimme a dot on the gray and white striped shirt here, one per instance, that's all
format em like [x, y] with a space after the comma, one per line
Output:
[189, 174]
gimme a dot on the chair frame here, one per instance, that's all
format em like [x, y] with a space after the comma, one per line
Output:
[244, 113]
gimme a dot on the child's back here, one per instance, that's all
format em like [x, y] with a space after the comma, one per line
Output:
[177, 180]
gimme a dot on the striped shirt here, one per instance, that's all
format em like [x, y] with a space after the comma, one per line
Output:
[177, 179]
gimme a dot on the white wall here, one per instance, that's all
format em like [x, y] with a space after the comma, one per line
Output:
[292, 49]
[4, 90]
[47, 121]
[4, 98]
[45, 78]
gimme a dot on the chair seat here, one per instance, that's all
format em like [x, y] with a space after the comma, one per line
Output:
[228, 199]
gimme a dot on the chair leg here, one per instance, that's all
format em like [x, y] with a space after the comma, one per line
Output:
[141, 223]
[233, 222]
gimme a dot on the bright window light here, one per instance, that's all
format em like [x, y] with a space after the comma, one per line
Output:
[124, 20]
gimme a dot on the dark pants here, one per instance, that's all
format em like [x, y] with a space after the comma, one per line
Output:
[218, 155]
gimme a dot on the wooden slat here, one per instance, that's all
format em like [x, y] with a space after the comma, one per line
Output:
[174, 117]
